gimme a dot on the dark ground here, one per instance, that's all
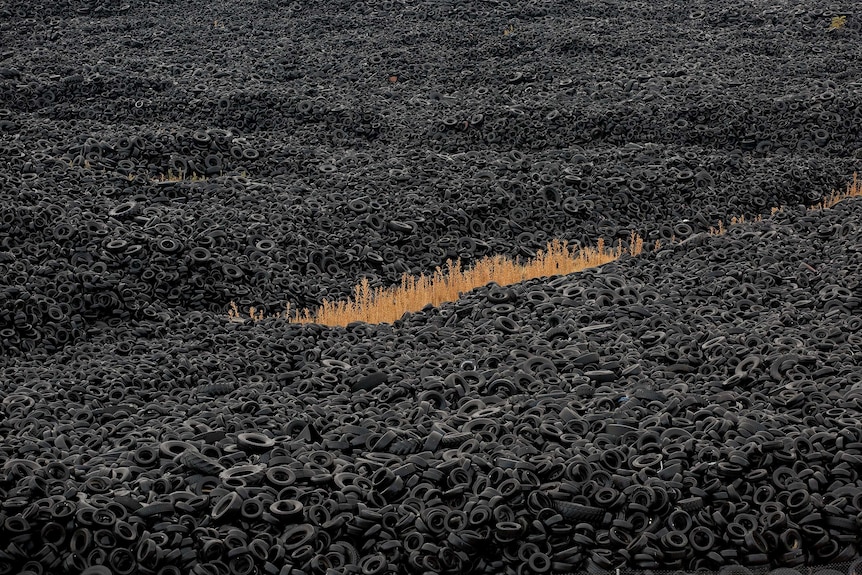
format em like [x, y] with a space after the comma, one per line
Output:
[692, 408]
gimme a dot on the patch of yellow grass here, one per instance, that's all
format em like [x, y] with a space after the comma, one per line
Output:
[381, 305]
[854, 189]
[837, 22]
[180, 176]
[735, 220]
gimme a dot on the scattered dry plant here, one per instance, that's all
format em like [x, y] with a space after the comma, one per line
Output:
[854, 189]
[735, 220]
[837, 23]
[718, 230]
[378, 305]
[180, 176]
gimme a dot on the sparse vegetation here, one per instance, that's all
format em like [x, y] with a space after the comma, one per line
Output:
[720, 229]
[379, 305]
[837, 23]
[854, 189]
[180, 176]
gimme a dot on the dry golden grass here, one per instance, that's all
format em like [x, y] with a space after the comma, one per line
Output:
[837, 22]
[180, 176]
[854, 189]
[381, 305]
[720, 229]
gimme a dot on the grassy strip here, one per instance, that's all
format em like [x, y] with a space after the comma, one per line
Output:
[389, 304]
[383, 305]
[854, 189]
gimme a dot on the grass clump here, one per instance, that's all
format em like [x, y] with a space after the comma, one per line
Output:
[837, 23]
[380, 305]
